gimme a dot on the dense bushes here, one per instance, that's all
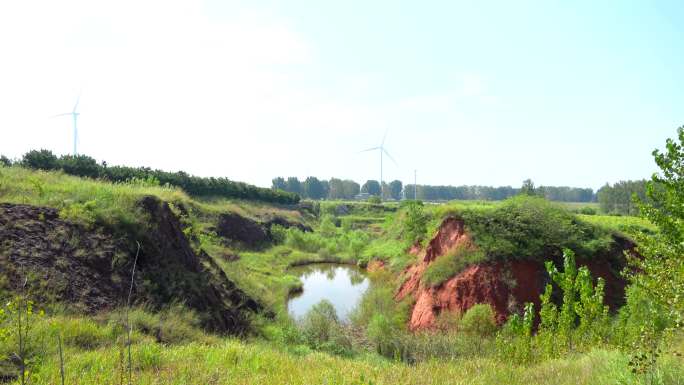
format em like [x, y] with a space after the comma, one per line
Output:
[85, 166]
[329, 242]
[532, 228]
[579, 323]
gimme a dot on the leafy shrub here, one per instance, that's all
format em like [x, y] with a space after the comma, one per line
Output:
[413, 221]
[479, 321]
[322, 330]
[449, 265]
[278, 234]
[383, 334]
[80, 165]
[374, 199]
[41, 160]
[514, 339]
[527, 227]
[5, 161]
[588, 210]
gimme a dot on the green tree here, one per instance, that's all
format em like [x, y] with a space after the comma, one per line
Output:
[371, 187]
[279, 184]
[660, 271]
[335, 189]
[528, 188]
[312, 188]
[350, 188]
[395, 188]
[40, 159]
[414, 221]
[80, 165]
[5, 161]
[294, 185]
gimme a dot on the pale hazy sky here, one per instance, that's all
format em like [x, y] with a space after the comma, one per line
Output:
[489, 92]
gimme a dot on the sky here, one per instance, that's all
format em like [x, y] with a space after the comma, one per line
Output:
[574, 93]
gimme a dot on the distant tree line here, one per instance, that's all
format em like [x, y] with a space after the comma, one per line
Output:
[553, 193]
[85, 166]
[617, 198]
[314, 188]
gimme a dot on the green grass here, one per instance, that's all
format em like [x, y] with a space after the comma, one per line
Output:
[623, 224]
[450, 264]
[81, 200]
[239, 362]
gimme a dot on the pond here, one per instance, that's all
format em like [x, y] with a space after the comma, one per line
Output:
[342, 285]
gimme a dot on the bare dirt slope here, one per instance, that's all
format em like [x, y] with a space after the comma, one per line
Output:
[90, 269]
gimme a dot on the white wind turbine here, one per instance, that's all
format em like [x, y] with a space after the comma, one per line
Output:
[381, 149]
[74, 115]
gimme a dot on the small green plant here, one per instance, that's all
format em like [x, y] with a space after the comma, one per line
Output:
[582, 312]
[18, 318]
[514, 340]
[322, 330]
[414, 222]
[479, 320]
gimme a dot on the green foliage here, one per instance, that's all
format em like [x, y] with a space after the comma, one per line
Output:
[313, 188]
[479, 321]
[322, 330]
[413, 221]
[582, 312]
[395, 188]
[5, 161]
[529, 189]
[82, 165]
[619, 198]
[659, 272]
[514, 340]
[278, 234]
[371, 187]
[374, 199]
[532, 228]
[450, 264]
[41, 160]
[17, 340]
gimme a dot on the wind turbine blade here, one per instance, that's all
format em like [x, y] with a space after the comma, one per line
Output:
[78, 99]
[384, 137]
[64, 114]
[370, 149]
[390, 156]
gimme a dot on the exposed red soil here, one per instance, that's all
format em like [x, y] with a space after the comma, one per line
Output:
[506, 286]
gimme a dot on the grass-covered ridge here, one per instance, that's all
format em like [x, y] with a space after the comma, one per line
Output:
[533, 228]
[85, 166]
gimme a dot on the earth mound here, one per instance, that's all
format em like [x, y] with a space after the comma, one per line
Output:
[250, 233]
[505, 285]
[89, 269]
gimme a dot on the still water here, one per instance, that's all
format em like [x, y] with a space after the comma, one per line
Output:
[342, 285]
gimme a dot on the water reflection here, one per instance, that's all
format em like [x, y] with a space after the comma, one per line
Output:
[342, 285]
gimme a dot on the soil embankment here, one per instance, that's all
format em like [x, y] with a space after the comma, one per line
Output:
[246, 232]
[506, 286]
[89, 269]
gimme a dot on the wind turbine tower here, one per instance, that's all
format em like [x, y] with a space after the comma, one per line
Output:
[381, 149]
[74, 115]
